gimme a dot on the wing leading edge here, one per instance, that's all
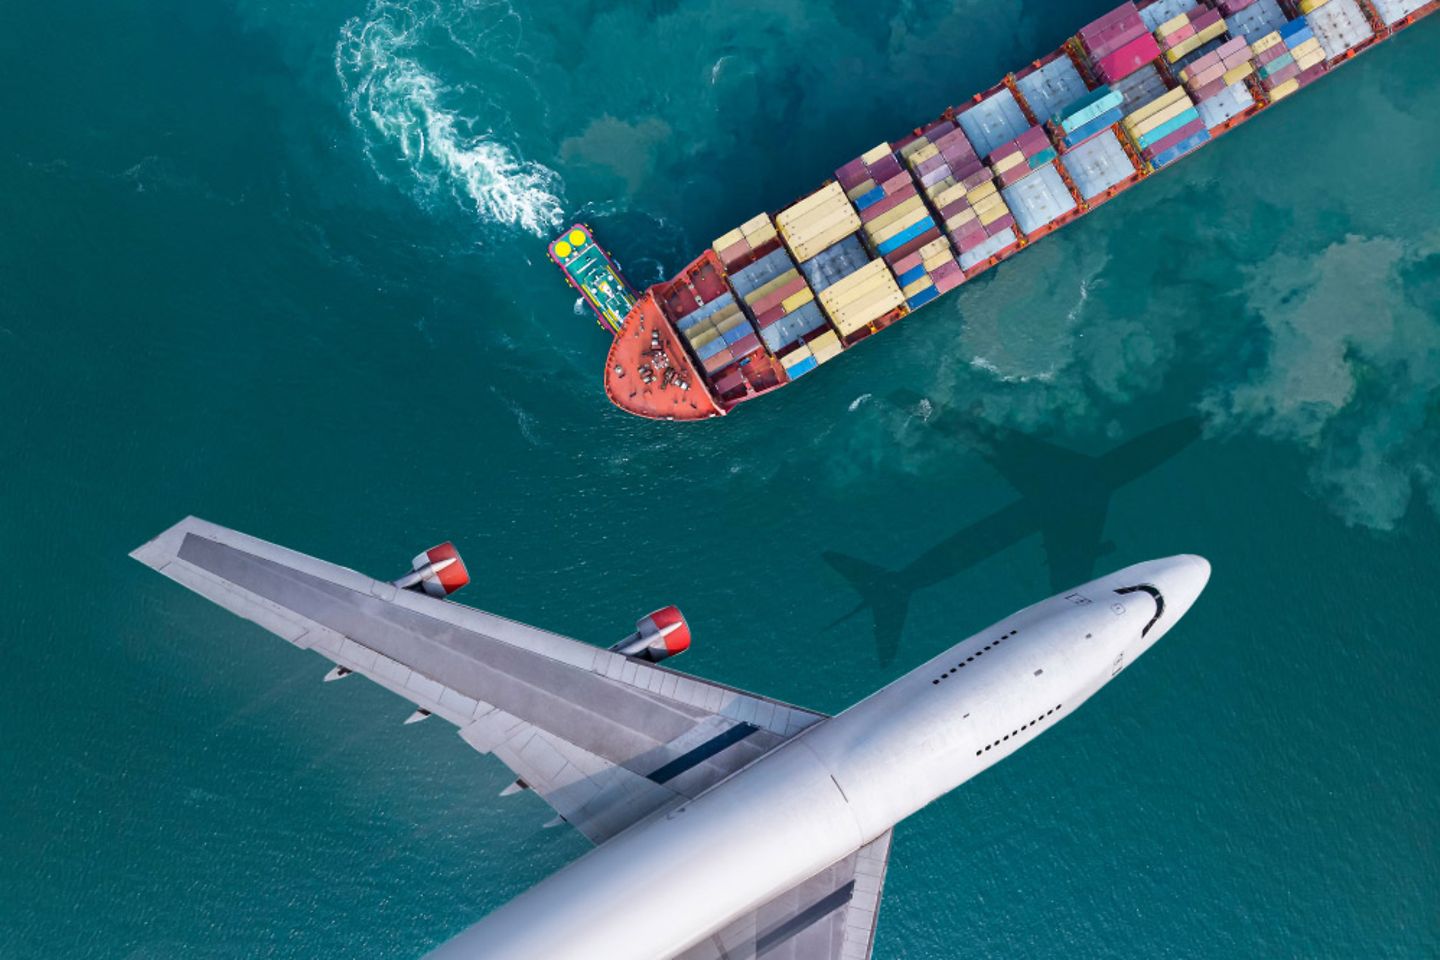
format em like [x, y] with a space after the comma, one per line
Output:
[606, 740]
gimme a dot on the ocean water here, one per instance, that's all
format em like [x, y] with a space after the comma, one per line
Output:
[281, 265]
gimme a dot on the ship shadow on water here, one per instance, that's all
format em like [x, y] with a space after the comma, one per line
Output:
[1064, 497]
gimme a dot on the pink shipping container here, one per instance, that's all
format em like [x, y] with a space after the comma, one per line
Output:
[1127, 59]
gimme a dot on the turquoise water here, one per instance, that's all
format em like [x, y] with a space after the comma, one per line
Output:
[282, 265]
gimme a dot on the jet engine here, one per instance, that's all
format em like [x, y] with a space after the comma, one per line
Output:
[662, 634]
[438, 571]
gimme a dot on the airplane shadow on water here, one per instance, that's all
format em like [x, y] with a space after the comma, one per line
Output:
[1064, 497]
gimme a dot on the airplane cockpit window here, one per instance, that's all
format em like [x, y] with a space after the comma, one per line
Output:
[1159, 602]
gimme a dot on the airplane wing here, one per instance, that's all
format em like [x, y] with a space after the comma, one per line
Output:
[605, 739]
[830, 916]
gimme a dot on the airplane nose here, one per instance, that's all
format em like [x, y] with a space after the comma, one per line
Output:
[1181, 579]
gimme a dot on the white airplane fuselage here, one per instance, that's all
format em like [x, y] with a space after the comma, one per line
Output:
[674, 879]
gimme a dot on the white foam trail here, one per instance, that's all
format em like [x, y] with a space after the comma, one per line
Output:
[390, 93]
[858, 401]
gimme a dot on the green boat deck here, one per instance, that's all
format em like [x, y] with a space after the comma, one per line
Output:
[591, 271]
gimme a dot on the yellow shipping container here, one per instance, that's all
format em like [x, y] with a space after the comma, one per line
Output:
[728, 319]
[1196, 42]
[817, 242]
[915, 286]
[961, 218]
[793, 303]
[925, 152]
[1306, 6]
[860, 189]
[947, 196]
[829, 193]
[864, 296]
[1006, 162]
[728, 240]
[703, 335]
[1170, 26]
[1238, 74]
[760, 223]
[1307, 62]
[770, 286]
[798, 355]
[896, 212]
[1265, 43]
[934, 248]
[984, 191]
[1284, 90]
[877, 152]
[900, 225]
[991, 210]
[1305, 49]
[1156, 105]
[1160, 119]
[825, 346]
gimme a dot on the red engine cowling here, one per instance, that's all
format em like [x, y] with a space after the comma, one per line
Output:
[438, 571]
[662, 634]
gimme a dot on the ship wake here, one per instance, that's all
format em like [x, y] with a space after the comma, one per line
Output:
[412, 123]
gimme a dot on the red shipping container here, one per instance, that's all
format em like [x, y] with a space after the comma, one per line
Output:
[912, 247]
[1230, 7]
[719, 361]
[1201, 94]
[1313, 74]
[773, 299]
[1280, 76]
[768, 317]
[746, 344]
[889, 203]
[1129, 58]
[1001, 225]
[1113, 30]
[852, 174]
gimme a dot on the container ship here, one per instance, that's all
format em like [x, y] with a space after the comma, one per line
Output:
[1132, 93]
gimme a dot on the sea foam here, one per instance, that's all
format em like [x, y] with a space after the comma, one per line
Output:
[404, 112]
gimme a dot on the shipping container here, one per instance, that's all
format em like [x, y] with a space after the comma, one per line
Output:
[1226, 105]
[1256, 19]
[1162, 10]
[1393, 11]
[814, 223]
[862, 298]
[1039, 200]
[1051, 87]
[993, 121]
[834, 262]
[747, 243]
[1141, 87]
[1099, 165]
[932, 213]
[1340, 26]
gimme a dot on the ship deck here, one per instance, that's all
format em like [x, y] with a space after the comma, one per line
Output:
[648, 372]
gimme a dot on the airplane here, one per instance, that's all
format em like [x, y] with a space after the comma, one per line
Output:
[1064, 497]
[725, 824]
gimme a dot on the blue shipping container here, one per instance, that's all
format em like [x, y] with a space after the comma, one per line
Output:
[1168, 127]
[802, 368]
[923, 297]
[1098, 125]
[870, 199]
[1181, 148]
[905, 236]
[911, 275]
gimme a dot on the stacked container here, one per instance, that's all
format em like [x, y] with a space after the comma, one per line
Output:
[719, 334]
[1252, 19]
[1093, 113]
[1167, 128]
[1339, 25]
[1119, 43]
[805, 357]
[1051, 87]
[1162, 11]
[1393, 11]
[1039, 199]
[1288, 59]
[1209, 75]
[779, 299]
[814, 223]
[862, 298]
[898, 224]
[747, 243]
[992, 120]
[1014, 161]
[1098, 165]
[1188, 32]
[961, 190]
